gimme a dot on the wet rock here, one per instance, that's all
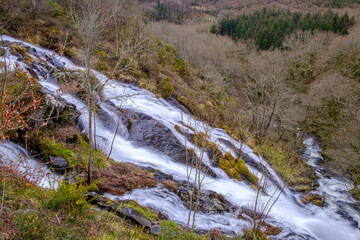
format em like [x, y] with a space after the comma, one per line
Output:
[2, 52]
[134, 216]
[58, 164]
[209, 201]
[159, 176]
[146, 131]
[56, 63]
[343, 213]
[125, 212]
[96, 199]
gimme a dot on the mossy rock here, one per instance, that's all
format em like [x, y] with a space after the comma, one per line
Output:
[356, 193]
[302, 188]
[200, 139]
[316, 199]
[178, 129]
[241, 167]
[216, 153]
[142, 210]
[226, 164]
[249, 234]
[17, 48]
[233, 173]
[192, 152]
[229, 157]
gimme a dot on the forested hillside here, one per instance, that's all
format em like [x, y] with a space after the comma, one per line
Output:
[268, 28]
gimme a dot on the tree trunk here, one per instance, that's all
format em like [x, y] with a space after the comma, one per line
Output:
[90, 142]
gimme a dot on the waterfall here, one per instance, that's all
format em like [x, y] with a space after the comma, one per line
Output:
[297, 221]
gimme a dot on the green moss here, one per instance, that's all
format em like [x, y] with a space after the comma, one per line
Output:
[241, 167]
[302, 188]
[51, 147]
[233, 173]
[180, 66]
[17, 48]
[143, 210]
[77, 157]
[356, 193]
[290, 170]
[177, 128]
[169, 48]
[214, 148]
[225, 164]
[229, 157]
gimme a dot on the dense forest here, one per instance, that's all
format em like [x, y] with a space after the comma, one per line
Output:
[268, 28]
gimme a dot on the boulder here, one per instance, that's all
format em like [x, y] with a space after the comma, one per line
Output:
[58, 164]
[123, 177]
[156, 230]
[134, 216]
[170, 185]
[146, 131]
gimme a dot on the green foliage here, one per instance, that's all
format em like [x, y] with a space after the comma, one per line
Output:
[70, 196]
[301, 72]
[28, 214]
[326, 118]
[172, 13]
[31, 225]
[143, 210]
[348, 63]
[169, 230]
[51, 147]
[213, 29]
[78, 157]
[57, 10]
[354, 172]
[165, 88]
[268, 28]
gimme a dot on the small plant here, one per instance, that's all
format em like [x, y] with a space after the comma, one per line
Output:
[169, 230]
[70, 196]
[165, 88]
[31, 225]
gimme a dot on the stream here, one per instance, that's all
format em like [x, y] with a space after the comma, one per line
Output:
[297, 220]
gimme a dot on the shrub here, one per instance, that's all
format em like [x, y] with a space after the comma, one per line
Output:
[165, 88]
[70, 196]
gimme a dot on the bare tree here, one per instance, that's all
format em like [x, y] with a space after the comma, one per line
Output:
[263, 205]
[266, 91]
[91, 18]
[196, 172]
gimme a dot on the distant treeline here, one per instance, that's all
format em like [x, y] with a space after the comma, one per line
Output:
[170, 12]
[268, 28]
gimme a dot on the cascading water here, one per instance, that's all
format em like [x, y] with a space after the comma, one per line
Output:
[296, 220]
[334, 189]
[16, 156]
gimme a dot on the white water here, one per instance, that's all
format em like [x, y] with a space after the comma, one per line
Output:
[334, 189]
[16, 156]
[308, 222]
